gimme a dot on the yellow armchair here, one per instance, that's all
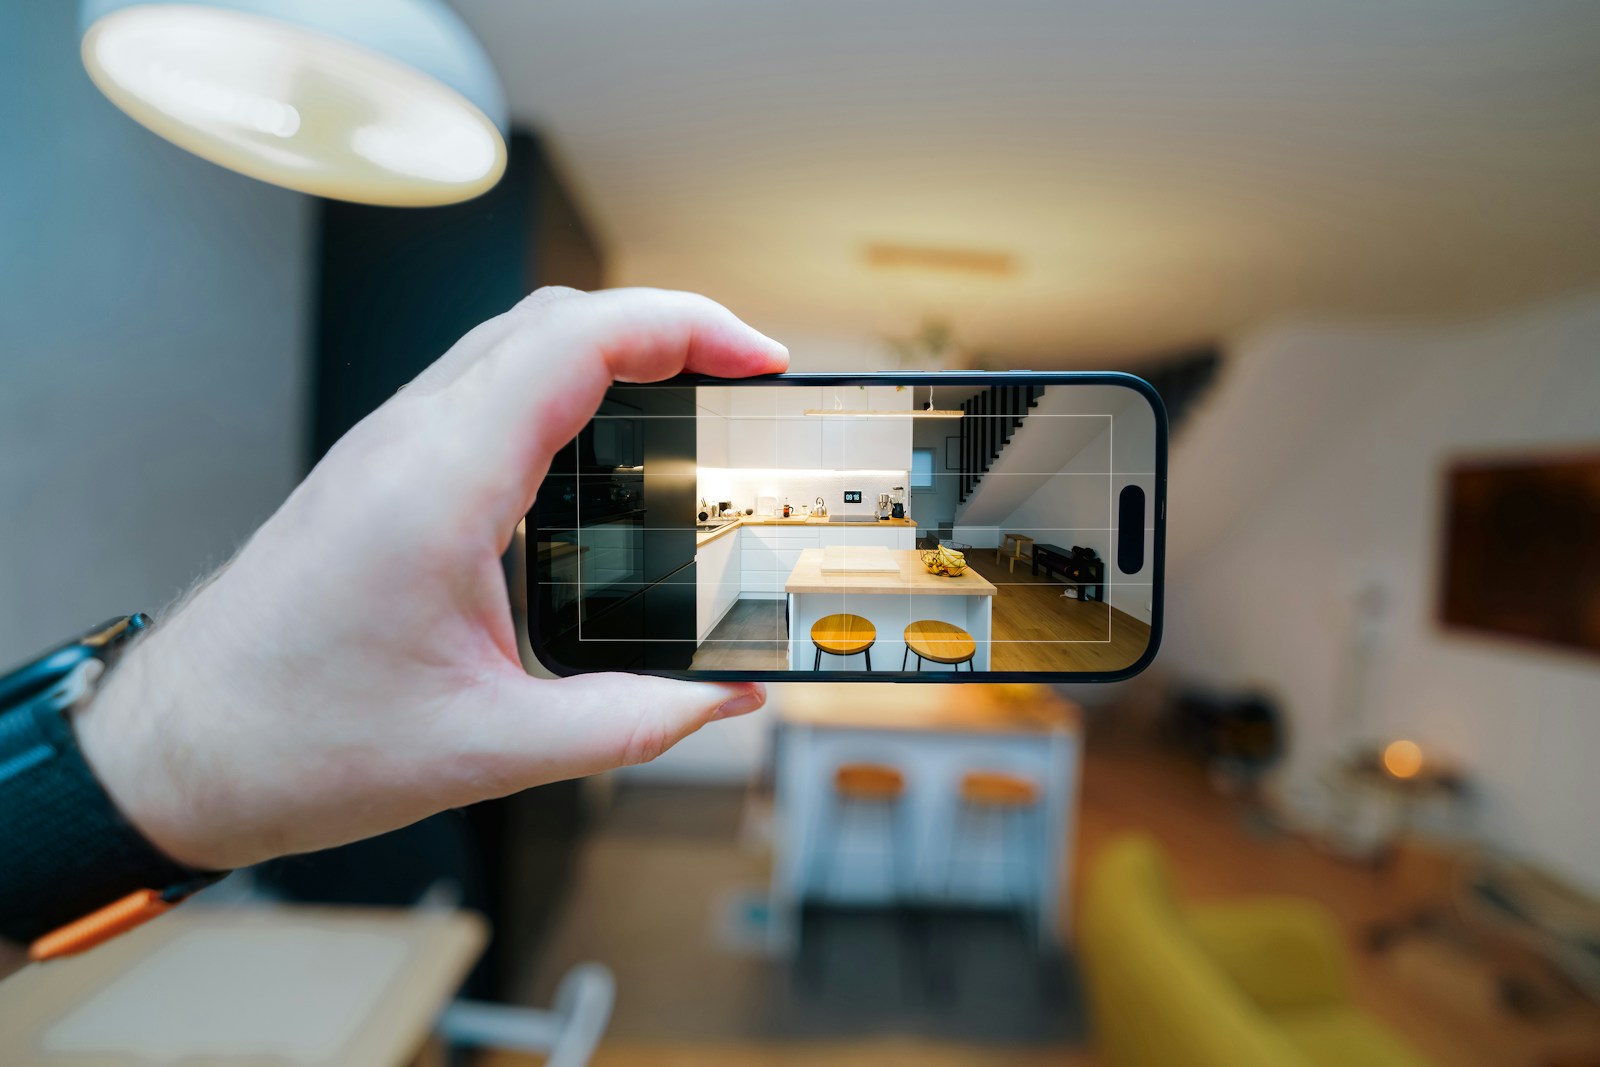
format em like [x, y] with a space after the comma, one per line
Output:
[1258, 983]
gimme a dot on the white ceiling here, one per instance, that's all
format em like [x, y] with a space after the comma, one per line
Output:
[1164, 172]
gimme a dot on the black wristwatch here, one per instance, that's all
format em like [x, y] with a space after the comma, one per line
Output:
[74, 871]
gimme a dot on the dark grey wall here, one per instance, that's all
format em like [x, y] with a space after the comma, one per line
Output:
[398, 286]
[153, 326]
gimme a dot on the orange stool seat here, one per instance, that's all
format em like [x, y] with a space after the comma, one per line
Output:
[868, 781]
[939, 642]
[996, 789]
[843, 635]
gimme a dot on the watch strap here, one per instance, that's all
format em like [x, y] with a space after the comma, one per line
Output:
[68, 852]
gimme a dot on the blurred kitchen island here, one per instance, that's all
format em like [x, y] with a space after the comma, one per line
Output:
[946, 835]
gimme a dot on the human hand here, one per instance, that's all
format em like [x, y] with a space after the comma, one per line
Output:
[355, 667]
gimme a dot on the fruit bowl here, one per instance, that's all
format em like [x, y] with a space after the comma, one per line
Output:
[945, 562]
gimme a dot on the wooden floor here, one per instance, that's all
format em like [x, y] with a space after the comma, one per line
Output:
[1440, 998]
[1035, 628]
[1038, 629]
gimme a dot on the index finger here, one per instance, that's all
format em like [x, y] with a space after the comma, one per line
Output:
[543, 381]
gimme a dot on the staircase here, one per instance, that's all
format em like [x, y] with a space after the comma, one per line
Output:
[988, 423]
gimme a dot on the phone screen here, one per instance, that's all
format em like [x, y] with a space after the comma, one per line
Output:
[893, 527]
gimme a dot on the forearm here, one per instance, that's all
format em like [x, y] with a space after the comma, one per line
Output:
[355, 668]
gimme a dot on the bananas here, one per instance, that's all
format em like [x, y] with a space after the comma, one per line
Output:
[944, 561]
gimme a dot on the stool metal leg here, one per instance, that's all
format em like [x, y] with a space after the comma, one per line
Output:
[1023, 830]
[957, 840]
[868, 654]
[816, 664]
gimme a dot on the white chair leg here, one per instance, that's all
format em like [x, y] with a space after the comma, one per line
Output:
[567, 1035]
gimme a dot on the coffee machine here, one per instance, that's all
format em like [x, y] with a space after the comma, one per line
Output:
[897, 502]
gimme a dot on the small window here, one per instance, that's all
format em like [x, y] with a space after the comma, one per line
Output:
[922, 468]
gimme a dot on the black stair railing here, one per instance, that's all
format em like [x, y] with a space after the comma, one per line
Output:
[991, 418]
[989, 421]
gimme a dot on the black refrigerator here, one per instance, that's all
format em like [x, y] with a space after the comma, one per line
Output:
[613, 526]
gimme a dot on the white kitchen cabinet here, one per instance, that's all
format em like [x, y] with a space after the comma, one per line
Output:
[864, 443]
[752, 441]
[875, 444]
[858, 442]
[717, 567]
[798, 442]
[787, 442]
[768, 553]
[711, 440]
[711, 425]
[769, 427]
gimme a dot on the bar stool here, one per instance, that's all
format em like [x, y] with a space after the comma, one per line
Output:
[864, 787]
[1021, 540]
[940, 642]
[859, 789]
[1010, 799]
[842, 635]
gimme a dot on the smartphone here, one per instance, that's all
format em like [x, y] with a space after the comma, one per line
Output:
[961, 526]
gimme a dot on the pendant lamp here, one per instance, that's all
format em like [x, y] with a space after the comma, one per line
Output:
[374, 101]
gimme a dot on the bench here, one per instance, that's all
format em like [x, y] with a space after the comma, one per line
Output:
[1077, 566]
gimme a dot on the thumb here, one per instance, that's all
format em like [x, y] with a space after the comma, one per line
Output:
[549, 730]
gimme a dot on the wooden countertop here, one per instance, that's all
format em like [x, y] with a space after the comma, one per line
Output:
[1011, 708]
[913, 579]
[771, 520]
[706, 536]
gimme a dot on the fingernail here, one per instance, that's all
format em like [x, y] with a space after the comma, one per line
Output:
[779, 349]
[741, 704]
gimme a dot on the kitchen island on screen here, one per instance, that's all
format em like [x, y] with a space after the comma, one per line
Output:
[890, 588]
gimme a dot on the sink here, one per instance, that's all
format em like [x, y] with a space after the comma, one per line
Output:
[853, 518]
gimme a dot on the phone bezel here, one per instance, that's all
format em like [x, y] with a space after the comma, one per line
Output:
[917, 378]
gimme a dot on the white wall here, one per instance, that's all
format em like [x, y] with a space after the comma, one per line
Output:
[800, 486]
[759, 442]
[153, 332]
[1059, 428]
[1051, 483]
[934, 506]
[1313, 474]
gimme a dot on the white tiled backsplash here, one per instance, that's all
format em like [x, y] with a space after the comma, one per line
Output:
[745, 487]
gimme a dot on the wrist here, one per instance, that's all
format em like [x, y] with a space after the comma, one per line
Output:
[131, 736]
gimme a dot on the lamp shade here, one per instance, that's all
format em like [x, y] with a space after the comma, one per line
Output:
[374, 101]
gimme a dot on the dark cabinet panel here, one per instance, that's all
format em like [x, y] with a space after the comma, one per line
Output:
[608, 639]
[669, 621]
[629, 504]
[398, 286]
[670, 472]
